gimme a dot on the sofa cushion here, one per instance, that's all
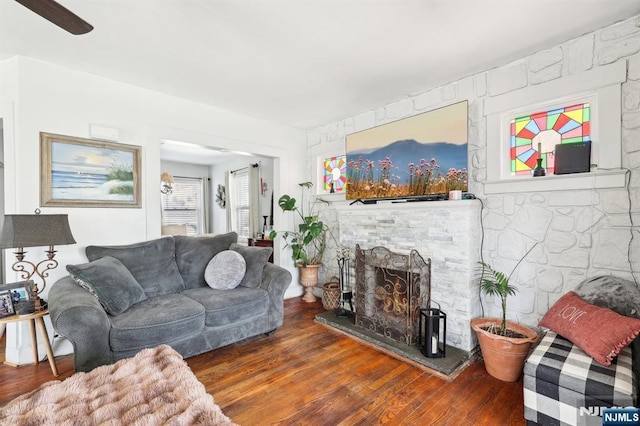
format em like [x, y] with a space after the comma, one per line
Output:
[151, 263]
[157, 320]
[224, 307]
[194, 253]
[256, 259]
[617, 294]
[600, 332]
[110, 281]
[225, 270]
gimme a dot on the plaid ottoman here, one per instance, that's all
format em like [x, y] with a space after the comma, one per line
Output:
[565, 386]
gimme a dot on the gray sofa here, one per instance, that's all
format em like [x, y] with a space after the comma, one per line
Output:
[101, 309]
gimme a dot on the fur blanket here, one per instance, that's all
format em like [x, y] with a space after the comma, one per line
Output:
[155, 387]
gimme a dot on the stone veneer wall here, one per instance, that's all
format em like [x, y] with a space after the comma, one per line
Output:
[447, 232]
[579, 233]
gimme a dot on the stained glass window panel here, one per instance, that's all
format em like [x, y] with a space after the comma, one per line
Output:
[535, 136]
[335, 173]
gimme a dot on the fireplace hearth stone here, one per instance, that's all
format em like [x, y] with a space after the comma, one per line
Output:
[447, 367]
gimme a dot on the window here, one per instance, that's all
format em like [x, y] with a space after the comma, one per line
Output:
[185, 206]
[535, 136]
[599, 88]
[335, 173]
[240, 203]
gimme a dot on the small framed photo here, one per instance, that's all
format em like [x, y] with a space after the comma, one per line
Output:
[6, 304]
[20, 295]
[20, 287]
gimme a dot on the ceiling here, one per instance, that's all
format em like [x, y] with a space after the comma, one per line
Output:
[185, 152]
[302, 63]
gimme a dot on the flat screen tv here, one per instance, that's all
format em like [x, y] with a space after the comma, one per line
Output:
[416, 157]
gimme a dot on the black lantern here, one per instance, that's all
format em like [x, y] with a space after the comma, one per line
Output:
[432, 332]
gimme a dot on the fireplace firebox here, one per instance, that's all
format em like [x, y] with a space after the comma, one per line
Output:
[391, 288]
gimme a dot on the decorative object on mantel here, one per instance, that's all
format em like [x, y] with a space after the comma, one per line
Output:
[308, 242]
[455, 194]
[167, 183]
[35, 230]
[539, 170]
[504, 344]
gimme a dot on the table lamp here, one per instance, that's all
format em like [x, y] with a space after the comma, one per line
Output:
[35, 230]
[167, 183]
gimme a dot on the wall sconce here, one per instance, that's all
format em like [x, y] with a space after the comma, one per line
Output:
[35, 230]
[167, 183]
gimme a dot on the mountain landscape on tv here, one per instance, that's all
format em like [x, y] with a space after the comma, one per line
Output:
[406, 168]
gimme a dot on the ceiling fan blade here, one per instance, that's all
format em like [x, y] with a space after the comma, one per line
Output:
[59, 15]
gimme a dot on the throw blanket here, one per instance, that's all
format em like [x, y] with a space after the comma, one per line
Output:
[155, 387]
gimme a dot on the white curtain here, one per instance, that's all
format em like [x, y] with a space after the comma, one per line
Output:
[230, 208]
[255, 226]
[206, 204]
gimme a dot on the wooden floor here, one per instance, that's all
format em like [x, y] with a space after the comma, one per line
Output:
[305, 374]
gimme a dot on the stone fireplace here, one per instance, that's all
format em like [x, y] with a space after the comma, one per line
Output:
[390, 289]
[446, 232]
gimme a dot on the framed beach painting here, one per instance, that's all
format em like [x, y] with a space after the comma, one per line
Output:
[76, 172]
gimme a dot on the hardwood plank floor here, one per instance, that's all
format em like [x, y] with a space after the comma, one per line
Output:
[305, 374]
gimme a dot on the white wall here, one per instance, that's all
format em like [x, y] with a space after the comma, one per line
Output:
[40, 97]
[580, 233]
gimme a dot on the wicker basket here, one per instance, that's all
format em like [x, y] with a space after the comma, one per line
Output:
[331, 295]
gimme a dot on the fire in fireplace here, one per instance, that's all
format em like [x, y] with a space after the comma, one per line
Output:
[390, 290]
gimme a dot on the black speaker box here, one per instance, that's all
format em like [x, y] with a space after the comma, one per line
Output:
[572, 158]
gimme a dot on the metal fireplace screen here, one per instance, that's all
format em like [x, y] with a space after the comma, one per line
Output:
[390, 290]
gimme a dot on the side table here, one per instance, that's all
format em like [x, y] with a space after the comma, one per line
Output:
[33, 319]
[261, 243]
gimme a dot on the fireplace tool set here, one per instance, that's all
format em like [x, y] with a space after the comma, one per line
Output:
[346, 293]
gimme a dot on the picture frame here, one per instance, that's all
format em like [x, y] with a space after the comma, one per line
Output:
[20, 293]
[6, 304]
[78, 172]
[21, 287]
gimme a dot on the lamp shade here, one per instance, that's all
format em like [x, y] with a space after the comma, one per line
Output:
[35, 230]
[166, 178]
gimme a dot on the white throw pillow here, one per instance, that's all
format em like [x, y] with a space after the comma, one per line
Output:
[225, 270]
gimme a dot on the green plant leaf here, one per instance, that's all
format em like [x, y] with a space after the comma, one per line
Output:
[287, 203]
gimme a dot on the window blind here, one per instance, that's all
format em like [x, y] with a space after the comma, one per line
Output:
[241, 180]
[184, 206]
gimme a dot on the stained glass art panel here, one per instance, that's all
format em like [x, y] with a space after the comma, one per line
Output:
[535, 136]
[335, 173]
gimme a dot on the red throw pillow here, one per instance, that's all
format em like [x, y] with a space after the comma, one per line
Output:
[600, 332]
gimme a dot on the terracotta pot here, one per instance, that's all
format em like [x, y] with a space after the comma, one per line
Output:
[503, 356]
[309, 279]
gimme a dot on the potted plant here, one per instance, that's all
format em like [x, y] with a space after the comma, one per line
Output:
[504, 344]
[308, 242]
